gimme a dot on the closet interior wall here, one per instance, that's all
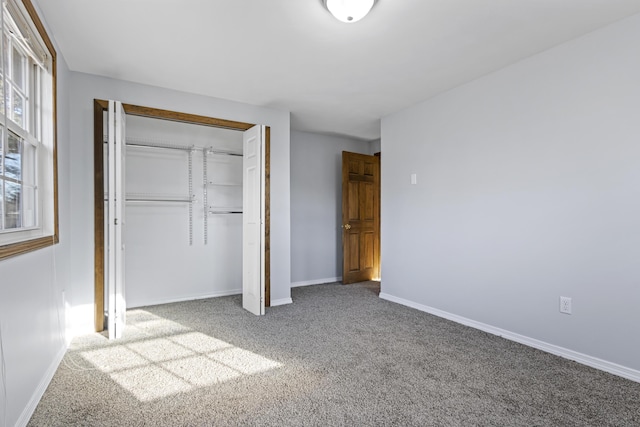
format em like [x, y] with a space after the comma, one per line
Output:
[183, 231]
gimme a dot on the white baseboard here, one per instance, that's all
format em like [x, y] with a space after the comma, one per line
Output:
[42, 387]
[281, 301]
[316, 281]
[274, 303]
[594, 362]
[188, 298]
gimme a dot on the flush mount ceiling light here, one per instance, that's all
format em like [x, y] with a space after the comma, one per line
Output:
[349, 11]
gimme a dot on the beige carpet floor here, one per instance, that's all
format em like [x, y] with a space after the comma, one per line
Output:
[338, 356]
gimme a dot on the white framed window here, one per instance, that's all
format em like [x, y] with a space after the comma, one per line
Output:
[28, 217]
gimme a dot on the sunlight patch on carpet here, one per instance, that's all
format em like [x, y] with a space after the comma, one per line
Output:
[201, 371]
[158, 358]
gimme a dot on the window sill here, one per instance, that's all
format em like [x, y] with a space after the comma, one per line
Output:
[20, 248]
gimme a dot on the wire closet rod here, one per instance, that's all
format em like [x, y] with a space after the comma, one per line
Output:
[224, 212]
[159, 200]
[220, 152]
[136, 142]
[152, 198]
[156, 200]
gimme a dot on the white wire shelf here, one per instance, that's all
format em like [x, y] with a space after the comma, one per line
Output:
[225, 184]
[215, 210]
[157, 198]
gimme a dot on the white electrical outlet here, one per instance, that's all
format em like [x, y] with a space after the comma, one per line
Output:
[565, 305]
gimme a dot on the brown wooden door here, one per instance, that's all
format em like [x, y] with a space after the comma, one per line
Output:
[360, 217]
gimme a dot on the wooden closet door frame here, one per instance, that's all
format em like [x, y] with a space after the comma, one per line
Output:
[99, 107]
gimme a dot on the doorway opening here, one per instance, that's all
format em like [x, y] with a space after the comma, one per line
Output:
[100, 108]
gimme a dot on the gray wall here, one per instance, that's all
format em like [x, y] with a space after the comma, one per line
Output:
[375, 146]
[527, 190]
[32, 303]
[316, 203]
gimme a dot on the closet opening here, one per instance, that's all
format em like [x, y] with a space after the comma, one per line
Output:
[184, 184]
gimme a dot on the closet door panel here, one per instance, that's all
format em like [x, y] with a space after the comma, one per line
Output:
[253, 225]
[116, 190]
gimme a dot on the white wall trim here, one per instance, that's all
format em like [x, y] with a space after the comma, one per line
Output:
[28, 411]
[316, 281]
[189, 298]
[282, 301]
[594, 362]
[274, 303]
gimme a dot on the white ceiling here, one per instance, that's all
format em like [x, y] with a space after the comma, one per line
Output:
[293, 55]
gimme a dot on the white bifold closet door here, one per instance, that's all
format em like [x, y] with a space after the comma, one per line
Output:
[116, 199]
[253, 227]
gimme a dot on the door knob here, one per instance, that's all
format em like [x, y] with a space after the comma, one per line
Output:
[347, 227]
